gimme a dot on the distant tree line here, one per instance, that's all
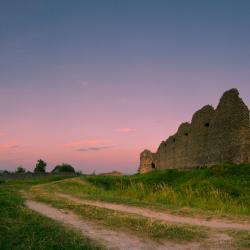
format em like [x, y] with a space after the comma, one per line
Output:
[41, 165]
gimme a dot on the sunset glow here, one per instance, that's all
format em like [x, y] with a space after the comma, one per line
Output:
[96, 82]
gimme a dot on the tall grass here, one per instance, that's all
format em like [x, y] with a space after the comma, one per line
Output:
[221, 189]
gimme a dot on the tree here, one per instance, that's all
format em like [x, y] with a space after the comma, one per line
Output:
[40, 166]
[20, 170]
[63, 168]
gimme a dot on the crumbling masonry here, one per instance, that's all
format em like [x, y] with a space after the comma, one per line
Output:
[214, 136]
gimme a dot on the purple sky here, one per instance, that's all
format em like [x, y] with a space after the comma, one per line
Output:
[93, 83]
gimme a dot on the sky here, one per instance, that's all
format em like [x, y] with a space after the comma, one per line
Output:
[94, 82]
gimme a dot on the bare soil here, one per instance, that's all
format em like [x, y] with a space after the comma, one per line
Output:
[111, 239]
[212, 223]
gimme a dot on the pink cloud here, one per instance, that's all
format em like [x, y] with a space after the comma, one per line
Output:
[11, 144]
[125, 130]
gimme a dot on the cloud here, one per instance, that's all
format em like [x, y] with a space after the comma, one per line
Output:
[9, 145]
[125, 130]
[88, 145]
[93, 148]
[82, 143]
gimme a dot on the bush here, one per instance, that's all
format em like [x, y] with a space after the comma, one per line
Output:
[20, 170]
[63, 168]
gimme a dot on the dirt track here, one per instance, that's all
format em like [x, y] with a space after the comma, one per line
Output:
[213, 223]
[109, 238]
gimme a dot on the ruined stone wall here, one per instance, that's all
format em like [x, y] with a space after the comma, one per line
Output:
[147, 160]
[214, 136]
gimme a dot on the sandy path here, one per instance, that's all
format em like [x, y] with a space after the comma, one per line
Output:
[213, 223]
[109, 238]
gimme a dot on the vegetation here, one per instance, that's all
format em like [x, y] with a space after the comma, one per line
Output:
[219, 190]
[40, 166]
[147, 189]
[22, 229]
[223, 190]
[118, 220]
[242, 239]
[20, 170]
[63, 168]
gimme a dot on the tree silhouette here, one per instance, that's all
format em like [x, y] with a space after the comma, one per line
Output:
[63, 168]
[20, 170]
[40, 166]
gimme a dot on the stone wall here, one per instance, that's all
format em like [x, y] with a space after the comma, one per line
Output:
[147, 160]
[214, 136]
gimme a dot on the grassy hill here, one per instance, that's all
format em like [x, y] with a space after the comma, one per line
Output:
[223, 189]
[217, 191]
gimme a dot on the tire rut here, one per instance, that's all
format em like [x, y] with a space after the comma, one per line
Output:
[111, 239]
[213, 223]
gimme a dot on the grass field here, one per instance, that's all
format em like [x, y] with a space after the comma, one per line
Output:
[119, 220]
[222, 190]
[217, 191]
[20, 228]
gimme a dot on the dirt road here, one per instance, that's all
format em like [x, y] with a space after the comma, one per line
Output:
[213, 223]
[111, 239]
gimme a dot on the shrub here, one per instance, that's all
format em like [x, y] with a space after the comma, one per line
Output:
[20, 170]
[63, 168]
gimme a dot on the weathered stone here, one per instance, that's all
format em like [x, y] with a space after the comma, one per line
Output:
[147, 160]
[214, 136]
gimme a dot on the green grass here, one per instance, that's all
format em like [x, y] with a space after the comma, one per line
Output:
[222, 190]
[119, 220]
[242, 239]
[22, 229]
[21, 183]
